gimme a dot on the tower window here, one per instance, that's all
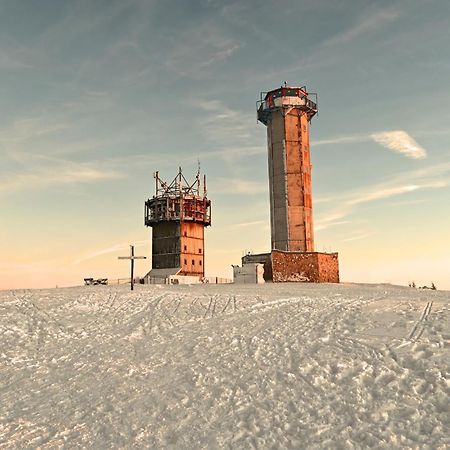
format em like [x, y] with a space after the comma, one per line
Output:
[200, 250]
[193, 262]
[185, 248]
[185, 262]
[200, 263]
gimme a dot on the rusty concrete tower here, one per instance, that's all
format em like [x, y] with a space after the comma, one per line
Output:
[178, 214]
[287, 112]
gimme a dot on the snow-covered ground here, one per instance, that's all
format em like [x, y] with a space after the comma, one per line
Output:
[227, 366]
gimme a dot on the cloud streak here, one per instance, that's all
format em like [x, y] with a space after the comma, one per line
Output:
[236, 186]
[373, 23]
[60, 175]
[358, 237]
[398, 141]
[222, 124]
[401, 142]
[382, 192]
[350, 139]
[432, 177]
[196, 51]
[112, 249]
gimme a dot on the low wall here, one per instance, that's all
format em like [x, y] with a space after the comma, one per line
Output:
[312, 267]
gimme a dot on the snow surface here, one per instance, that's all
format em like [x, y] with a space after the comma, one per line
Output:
[225, 366]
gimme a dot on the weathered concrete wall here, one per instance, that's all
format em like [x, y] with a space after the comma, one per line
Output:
[277, 181]
[252, 273]
[290, 181]
[261, 258]
[166, 245]
[305, 266]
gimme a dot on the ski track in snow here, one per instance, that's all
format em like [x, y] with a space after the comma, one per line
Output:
[228, 366]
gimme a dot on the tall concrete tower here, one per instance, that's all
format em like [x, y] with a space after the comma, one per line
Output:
[178, 213]
[287, 113]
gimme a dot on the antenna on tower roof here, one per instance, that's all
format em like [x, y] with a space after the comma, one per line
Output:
[197, 178]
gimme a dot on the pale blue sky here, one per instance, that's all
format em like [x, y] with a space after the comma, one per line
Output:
[97, 95]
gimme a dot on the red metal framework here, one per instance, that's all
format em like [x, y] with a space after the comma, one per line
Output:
[178, 201]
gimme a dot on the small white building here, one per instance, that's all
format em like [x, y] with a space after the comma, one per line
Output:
[252, 273]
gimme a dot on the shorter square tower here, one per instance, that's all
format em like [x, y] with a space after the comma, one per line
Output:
[178, 214]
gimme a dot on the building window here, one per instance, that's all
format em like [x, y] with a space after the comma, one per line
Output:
[193, 262]
[200, 263]
[200, 250]
[185, 233]
[185, 262]
[185, 248]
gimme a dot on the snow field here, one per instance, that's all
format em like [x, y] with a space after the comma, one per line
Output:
[272, 366]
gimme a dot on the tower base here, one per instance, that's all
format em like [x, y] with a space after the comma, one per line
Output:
[312, 267]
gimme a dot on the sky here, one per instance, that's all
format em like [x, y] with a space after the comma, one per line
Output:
[96, 95]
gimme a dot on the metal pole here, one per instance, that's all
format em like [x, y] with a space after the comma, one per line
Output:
[132, 266]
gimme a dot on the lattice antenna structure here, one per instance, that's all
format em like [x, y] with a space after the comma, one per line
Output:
[178, 214]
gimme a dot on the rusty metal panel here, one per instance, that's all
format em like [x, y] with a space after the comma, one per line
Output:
[192, 255]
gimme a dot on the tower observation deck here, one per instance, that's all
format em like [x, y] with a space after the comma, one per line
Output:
[178, 214]
[287, 113]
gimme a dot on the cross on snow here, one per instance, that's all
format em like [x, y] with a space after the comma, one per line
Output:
[132, 258]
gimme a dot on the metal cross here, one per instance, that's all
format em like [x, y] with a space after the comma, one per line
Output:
[132, 258]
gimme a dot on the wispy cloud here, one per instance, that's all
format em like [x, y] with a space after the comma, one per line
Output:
[199, 49]
[349, 139]
[223, 124]
[332, 219]
[431, 177]
[372, 23]
[235, 186]
[60, 175]
[30, 128]
[400, 141]
[326, 53]
[15, 58]
[358, 237]
[254, 223]
[112, 249]
[382, 192]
